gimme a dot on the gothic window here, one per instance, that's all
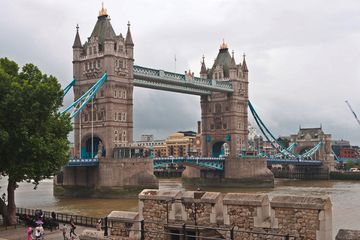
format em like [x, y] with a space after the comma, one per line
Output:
[216, 75]
[86, 66]
[115, 94]
[241, 107]
[218, 108]
[124, 117]
[94, 50]
[217, 121]
[120, 94]
[116, 135]
[90, 50]
[124, 94]
[124, 136]
[119, 116]
[115, 47]
[94, 64]
[121, 64]
[224, 126]
[115, 116]
[98, 63]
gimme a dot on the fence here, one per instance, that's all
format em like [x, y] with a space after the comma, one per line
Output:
[63, 217]
[172, 231]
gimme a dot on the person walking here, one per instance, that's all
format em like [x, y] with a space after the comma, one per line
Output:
[64, 229]
[29, 232]
[98, 225]
[72, 227]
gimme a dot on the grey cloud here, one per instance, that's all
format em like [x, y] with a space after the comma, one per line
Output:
[303, 56]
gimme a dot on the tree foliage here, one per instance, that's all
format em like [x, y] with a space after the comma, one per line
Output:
[33, 134]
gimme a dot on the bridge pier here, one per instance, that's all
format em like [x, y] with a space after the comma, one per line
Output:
[111, 178]
[246, 171]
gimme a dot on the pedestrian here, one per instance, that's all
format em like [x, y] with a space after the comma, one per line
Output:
[64, 229]
[29, 232]
[39, 232]
[72, 227]
[98, 225]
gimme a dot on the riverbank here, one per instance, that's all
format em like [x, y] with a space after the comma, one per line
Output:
[345, 197]
[20, 233]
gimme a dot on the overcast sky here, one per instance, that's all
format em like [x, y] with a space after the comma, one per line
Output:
[303, 56]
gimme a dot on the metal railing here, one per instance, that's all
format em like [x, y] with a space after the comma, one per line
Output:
[63, 217]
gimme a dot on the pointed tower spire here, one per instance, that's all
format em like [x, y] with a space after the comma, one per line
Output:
[128, 40]
[232, 63]
[244, 66]
[77, 41]
[203, 66]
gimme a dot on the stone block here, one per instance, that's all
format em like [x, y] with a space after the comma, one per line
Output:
[346, 234]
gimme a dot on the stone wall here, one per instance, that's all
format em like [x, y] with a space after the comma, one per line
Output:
[216, 215]
[126, 172]
[251, 216]
[249, 171]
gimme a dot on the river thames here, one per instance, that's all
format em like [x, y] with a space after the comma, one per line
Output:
[345, 197]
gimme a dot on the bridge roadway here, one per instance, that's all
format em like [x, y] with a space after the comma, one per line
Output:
[175, 82]
[207, 162]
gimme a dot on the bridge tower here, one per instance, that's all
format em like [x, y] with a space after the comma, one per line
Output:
[307, 138]
[224, 115]
[109, 117]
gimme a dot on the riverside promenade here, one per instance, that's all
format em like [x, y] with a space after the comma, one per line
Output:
[20, 233]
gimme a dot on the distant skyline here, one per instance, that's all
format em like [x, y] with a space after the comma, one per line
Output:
[303, 56]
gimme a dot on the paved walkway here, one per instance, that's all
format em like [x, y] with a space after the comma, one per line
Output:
[20, 233]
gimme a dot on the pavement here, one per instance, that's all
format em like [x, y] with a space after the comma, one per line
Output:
[20, 233]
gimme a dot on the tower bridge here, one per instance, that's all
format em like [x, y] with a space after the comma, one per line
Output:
[103, 118]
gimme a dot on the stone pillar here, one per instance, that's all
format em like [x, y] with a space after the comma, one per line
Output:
[304, 217]
[246, 212]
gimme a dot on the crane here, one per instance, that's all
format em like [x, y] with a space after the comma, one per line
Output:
[357, 119]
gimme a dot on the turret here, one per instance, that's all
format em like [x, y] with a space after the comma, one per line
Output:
[77, 47]
[129, 44]
[244, 68]
[232, 67]
[203, 72]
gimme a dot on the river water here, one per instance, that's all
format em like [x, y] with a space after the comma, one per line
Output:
[345, 197]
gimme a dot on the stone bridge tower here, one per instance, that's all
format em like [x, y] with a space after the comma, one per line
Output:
[307, 138]
[224, 115]
[110, 115]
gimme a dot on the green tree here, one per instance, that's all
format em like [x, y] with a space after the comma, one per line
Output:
[33, 134]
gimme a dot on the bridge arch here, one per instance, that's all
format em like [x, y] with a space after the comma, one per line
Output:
[87, 151]
[218, 148]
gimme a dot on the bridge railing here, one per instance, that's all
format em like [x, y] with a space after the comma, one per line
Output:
[171, 77]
